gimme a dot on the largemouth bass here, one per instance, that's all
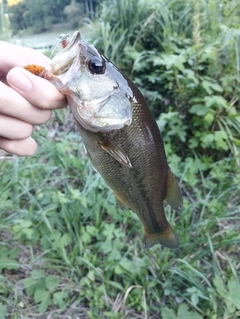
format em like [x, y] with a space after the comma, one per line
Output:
[120, 134]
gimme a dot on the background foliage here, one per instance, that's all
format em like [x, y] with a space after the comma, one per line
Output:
[67, 250]
[40, 15]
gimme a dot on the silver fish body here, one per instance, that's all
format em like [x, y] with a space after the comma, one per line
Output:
[120, 134]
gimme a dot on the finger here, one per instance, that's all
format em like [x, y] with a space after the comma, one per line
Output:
[24, 147]
[39, 92]
[14, 55]
[13, 104]
[13, 128]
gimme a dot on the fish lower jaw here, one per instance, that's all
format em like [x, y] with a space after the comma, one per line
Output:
[110, 124]
[102, 124]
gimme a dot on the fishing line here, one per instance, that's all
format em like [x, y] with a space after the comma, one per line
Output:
[61, 38]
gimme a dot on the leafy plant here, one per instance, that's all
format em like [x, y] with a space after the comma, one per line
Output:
[78, 254]
[185, 57]
[8, 258]
[45, 291]
[183, 312]
[229, 293]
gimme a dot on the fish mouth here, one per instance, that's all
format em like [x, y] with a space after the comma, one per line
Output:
[74, 39]
[61, 63]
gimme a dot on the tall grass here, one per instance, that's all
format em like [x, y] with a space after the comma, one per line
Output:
[66, 248]
[67, 240]
[5, 29]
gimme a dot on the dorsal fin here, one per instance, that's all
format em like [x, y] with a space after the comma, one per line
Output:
[174, 196]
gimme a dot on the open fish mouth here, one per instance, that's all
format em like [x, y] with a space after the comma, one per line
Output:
[74, 39]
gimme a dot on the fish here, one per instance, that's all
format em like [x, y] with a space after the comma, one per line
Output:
[120, 134]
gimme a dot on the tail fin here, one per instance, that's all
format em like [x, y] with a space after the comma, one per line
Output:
[167, 238]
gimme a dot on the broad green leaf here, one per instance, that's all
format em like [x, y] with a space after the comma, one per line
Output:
[207, 139]
[126, 264]
[66, 240]
[119, 270]
[6, 263]
[115, 254]
[37, 274]
[220, 138]
[92, 230]
[216, 87]
[229, 304]
[39, 295]
[116, 285]
[218, 283]
[193, 142]
[191, 75]
[86, 238]
[207, 86]
[170, 60]
[194, 299]
[234, 289]
[210, 87]
[52, 282]
[30, 286]
[46, 301]
[215, 100]
[198, 109]
[59, 298]
[185, 313]
[3, 311]
[91, 275]
[209, 118]
[131, 52]
[168, 313]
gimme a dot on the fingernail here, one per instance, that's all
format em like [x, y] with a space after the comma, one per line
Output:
[18, 80]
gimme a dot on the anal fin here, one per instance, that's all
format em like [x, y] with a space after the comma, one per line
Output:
[174, 196]
[120, 202]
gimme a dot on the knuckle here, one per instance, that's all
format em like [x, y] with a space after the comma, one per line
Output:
[49, 101]
[45, 116]
[52, 98]
[2, 98]
[25, 131]
[25, 147]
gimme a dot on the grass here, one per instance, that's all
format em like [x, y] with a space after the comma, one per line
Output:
[68, 251]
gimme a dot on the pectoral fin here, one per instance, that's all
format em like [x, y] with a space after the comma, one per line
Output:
[174, 196]
[112, 148]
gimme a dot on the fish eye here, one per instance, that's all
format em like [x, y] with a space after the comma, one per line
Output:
[96, 66]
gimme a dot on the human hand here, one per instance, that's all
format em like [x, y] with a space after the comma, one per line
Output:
[25, 99]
